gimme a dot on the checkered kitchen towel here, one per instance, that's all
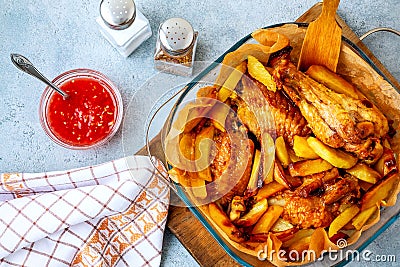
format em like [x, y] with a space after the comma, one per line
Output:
[111, 214]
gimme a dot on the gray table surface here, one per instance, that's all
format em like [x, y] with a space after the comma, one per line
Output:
[62, 35]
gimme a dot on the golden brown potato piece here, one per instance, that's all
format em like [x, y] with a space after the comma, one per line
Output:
[268, 190]
[269, 42]
[269, 218]
[219, 114]
[186, 145]
[298, 236]
[223, 222]
[202, 153]
[192, 114]
[230, 84]
[254, 214]
[281, 225]
[342, 219]
[260, 73]
[179, 176]
[198, 186]
[290, 182]
[281, 151]
[309, 167]
[379, 192]
[302, 149]
[293, 157]
[233, 59]
[335, 157]
[252, 186]
[359, 221]
[365, 173]
[331, 80]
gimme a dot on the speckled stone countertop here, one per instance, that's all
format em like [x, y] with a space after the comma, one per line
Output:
[61, 35]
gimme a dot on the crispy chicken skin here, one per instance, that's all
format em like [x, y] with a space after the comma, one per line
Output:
[334, 192]
[306, 212]
[231, 166]
[287, 116]
[338, 120]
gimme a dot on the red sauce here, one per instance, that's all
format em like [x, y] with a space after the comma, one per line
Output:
[86, 117]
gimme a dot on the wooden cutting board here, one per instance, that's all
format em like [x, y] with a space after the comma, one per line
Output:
[185, 226]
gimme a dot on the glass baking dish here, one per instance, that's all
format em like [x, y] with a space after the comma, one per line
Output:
[207, 77]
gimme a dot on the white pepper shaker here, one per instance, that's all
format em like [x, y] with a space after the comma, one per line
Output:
[123, 25]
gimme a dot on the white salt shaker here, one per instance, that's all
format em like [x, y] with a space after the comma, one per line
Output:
[123, 25]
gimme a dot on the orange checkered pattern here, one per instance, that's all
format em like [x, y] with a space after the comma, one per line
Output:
[112, 214]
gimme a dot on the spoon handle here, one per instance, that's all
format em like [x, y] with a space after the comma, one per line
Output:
[23, 64]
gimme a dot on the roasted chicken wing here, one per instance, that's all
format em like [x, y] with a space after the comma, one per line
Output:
[339, 120]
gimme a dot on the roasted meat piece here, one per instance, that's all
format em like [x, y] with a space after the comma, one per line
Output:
[340, 189]
[306, 212]
[338, 120]
[231, 166]
[287, 116]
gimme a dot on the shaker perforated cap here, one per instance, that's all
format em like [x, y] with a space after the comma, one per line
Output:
[118, 14]
[176, 35]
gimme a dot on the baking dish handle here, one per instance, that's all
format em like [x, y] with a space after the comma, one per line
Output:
[380, 29]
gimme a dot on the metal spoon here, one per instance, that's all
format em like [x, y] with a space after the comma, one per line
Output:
[25, 65]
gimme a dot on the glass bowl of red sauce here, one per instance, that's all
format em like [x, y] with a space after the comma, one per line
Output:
[91, 114]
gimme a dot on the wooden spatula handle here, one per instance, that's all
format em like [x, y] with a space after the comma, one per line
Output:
[329, 8]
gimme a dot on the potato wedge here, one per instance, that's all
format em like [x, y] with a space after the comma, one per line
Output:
[342, 219]
[252, 185]
[258, 71]
[281, 225]
[302, 149]
[335, 157]
[281, 151]
[186, 146]
[270, 176]
[254, 214]
[309, 167]
[179, 150]
[290, 182]
[202, 153]
[218, 114]
[230, 84]
[233, 59]
[276, 201]
[365, 173]
[298, 236]
[293, 157]
[331, 80]
[267, 220]
[268, 190]
[198, 186]
[179, 176]
[223, 222]
[192, 114]
[361, 218]
[379, 192]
